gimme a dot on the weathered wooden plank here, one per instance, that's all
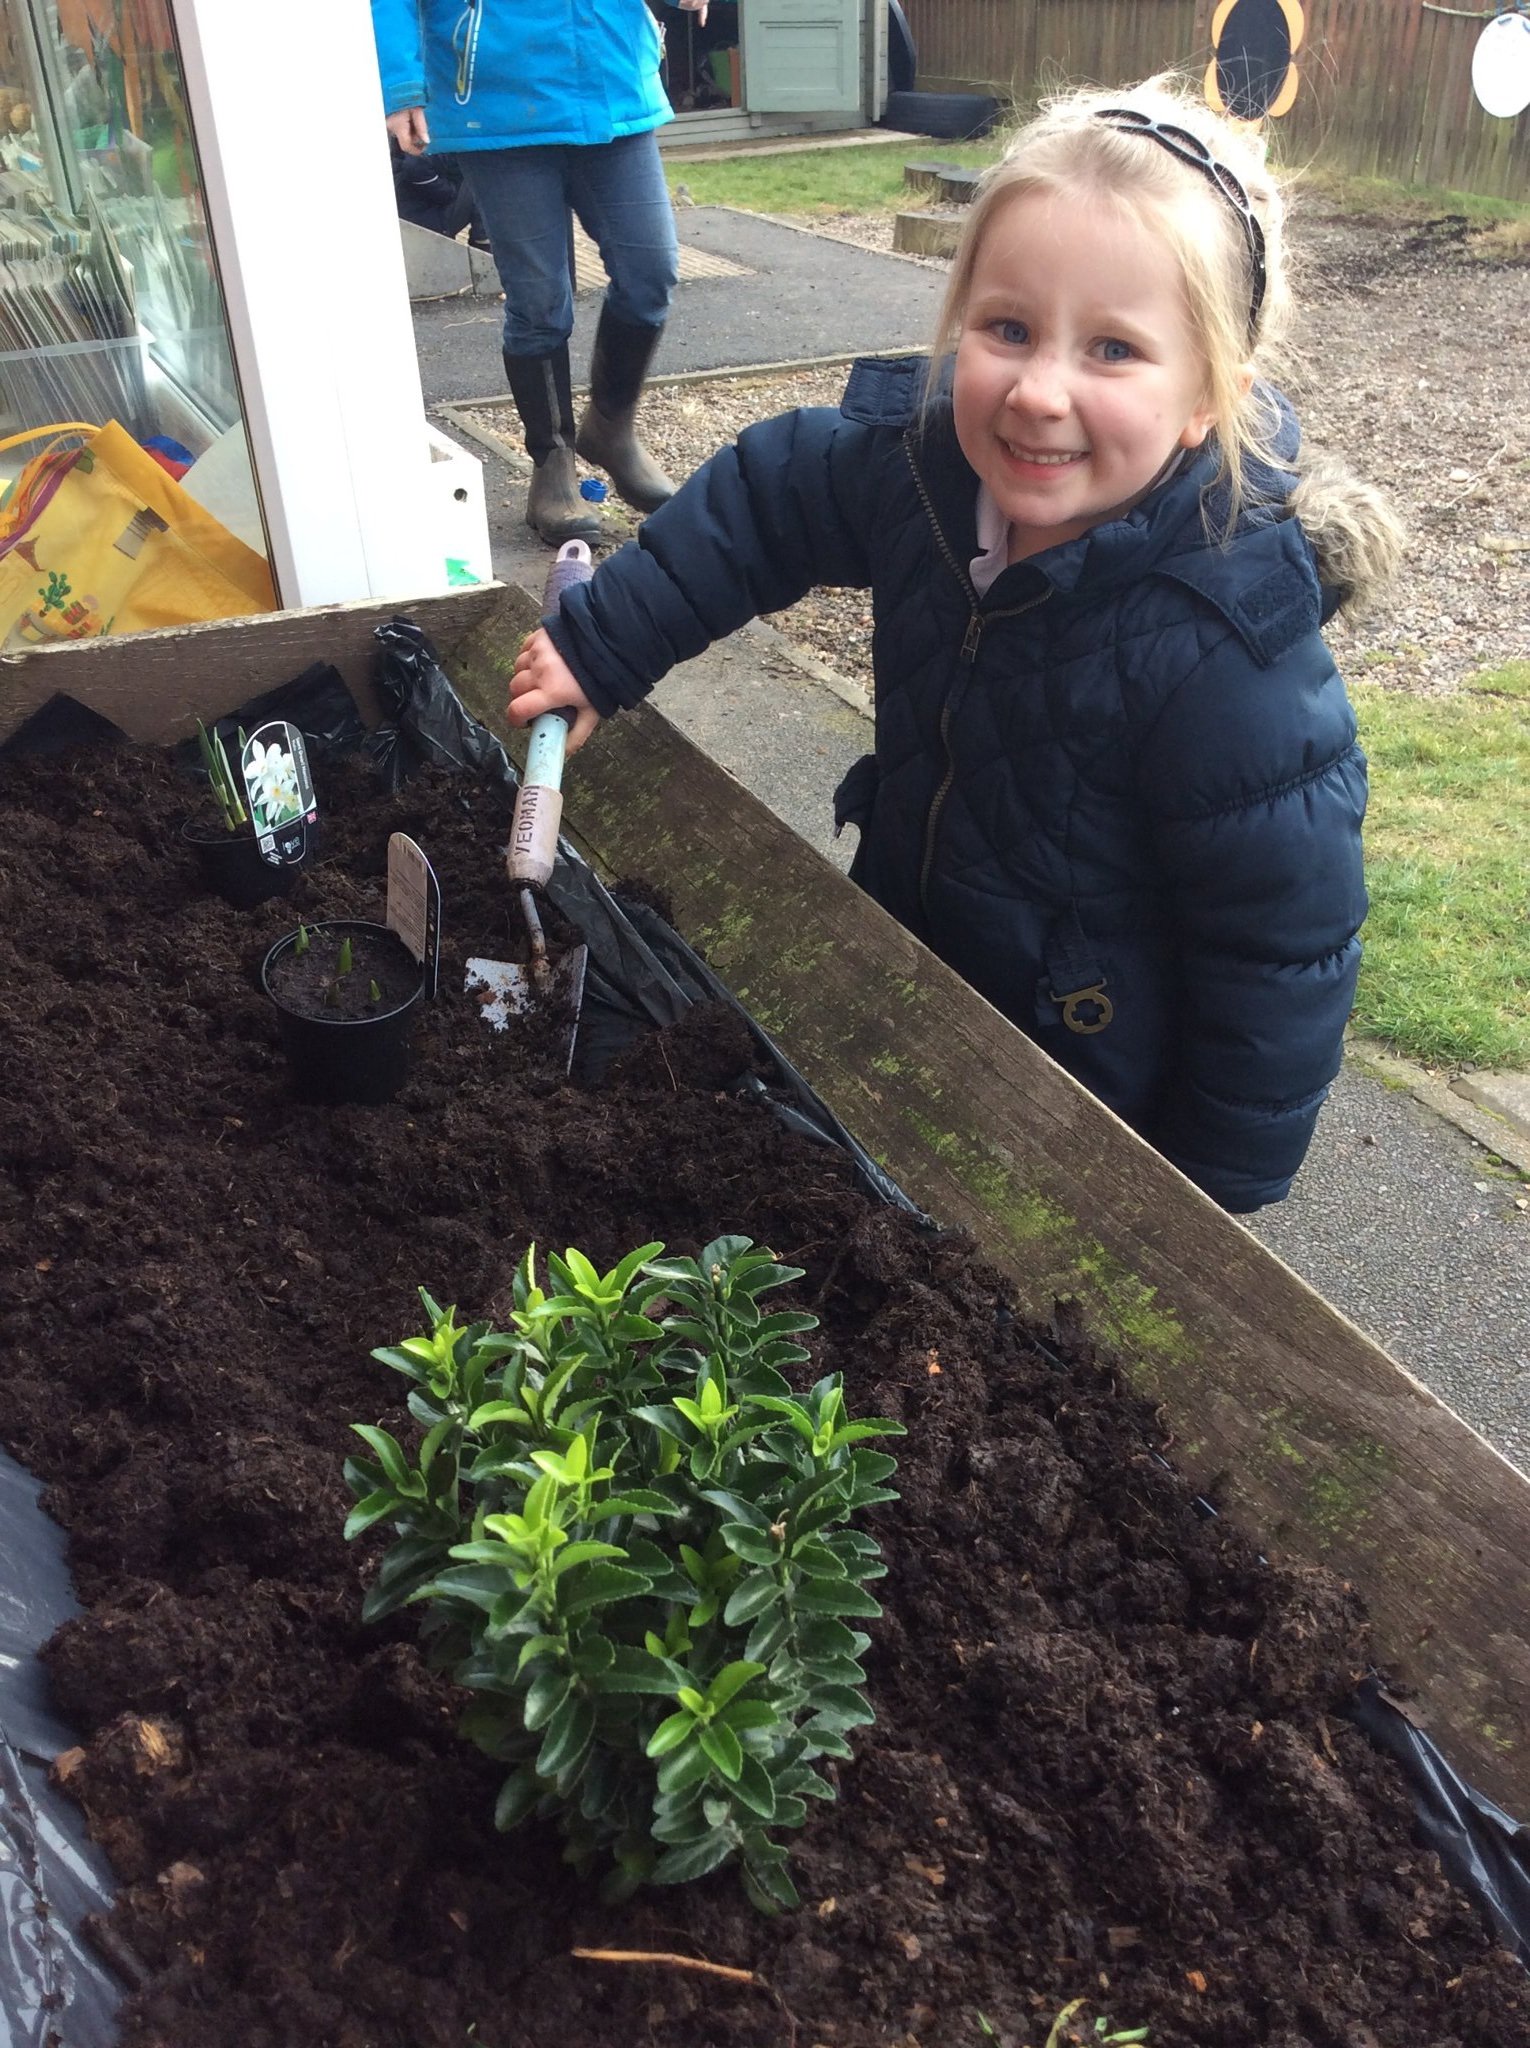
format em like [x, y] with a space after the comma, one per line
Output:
[156, 685]
[1322, 1442]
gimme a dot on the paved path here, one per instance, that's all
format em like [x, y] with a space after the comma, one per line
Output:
[1398, 1218]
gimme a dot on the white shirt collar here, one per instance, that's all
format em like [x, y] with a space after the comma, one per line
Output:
[992, 558]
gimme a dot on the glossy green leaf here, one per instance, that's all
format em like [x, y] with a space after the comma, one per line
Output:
[751, 1597]
[738, 1508]
[817, 1560]
[824, 1739]
[594, 1656]
[518, 1798]
[683, 1767]
[750, 1544]
[574, 1554]
[742, 1714]
[390, 1457]
[640, 1671]
[722, 1749]
[731, 1681]
[569, 1734]
[545, 1694]
[637, 1500]
[770, 1631]
[599, 1585]
[769, 1887]
[842, 1706]
[376, 1507]
[681, 1866]
[670, 1734]
[499, 1411]
[754, 1788]
[841, 1596]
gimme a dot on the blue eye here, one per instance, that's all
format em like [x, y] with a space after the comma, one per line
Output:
[1117, 351]
[1013, 333]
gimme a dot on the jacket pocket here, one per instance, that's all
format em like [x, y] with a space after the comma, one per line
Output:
[856, 795]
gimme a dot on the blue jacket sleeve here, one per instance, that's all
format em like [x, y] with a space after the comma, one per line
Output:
[1255, 788]
[400, 53]
[753, 530]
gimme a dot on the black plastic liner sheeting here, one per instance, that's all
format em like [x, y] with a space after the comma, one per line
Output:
[53, 1990]
[642, 976]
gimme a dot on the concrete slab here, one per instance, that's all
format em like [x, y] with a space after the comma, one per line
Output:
[1506, 1095]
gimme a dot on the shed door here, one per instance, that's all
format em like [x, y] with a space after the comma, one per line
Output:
[802, 56]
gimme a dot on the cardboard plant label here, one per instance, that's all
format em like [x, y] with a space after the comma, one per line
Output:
[414, 905]
[273, 763]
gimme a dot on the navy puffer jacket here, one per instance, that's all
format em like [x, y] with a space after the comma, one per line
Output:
[1120, 794]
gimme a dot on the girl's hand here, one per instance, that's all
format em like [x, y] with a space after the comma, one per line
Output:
[696, 7]
[408, 129]
[543, 681]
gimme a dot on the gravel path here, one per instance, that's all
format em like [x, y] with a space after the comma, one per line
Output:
[1411, 352]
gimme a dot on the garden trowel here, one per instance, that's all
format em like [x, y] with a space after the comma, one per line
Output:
[506, 988]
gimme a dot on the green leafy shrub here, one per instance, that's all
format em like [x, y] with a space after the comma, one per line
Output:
[631, 1540]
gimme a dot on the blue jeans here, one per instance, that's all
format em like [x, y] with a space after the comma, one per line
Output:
[617, 190]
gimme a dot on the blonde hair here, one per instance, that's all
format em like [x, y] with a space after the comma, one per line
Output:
[1066, 148]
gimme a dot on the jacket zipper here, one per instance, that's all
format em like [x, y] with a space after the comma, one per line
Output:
[465, 41]
[971, 641]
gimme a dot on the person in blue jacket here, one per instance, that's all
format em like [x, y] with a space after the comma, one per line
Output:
[552, 109]
[1116, 782]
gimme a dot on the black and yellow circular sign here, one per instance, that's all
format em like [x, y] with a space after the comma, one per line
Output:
[1252, 75]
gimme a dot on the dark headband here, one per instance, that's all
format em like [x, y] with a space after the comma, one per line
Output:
[1190, 149]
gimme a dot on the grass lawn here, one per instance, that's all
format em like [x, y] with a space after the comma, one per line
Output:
[866, 179]
[1447, 945]
[869, 179]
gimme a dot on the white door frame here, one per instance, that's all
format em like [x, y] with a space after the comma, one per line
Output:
[287, 111]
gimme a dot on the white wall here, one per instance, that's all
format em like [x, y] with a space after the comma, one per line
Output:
[288, 113]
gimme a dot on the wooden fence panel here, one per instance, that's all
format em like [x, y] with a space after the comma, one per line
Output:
[1385, 85]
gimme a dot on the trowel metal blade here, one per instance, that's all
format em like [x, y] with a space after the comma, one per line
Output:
[506, 989]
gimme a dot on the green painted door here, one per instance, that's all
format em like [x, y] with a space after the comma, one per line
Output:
[801, 56]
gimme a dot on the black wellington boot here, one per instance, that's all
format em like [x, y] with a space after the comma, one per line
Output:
[617, 370]
[543, 397]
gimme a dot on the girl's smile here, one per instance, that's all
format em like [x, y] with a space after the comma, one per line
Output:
[1077, 374]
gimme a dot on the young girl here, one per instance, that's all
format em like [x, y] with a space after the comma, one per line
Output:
[1116, 782]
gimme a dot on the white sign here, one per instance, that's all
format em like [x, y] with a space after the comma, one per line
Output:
[1501, 66]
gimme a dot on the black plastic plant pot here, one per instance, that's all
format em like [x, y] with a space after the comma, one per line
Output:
[232, 866]
[342, 1043]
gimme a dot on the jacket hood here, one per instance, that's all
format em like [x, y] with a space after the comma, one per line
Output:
[1357, 538]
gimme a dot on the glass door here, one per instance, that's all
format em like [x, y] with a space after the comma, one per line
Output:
[110, 305]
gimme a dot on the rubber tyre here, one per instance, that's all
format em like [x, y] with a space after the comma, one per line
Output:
[902, 64]
[953, 116]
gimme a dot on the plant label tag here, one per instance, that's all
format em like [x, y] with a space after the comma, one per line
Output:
[279, 789]
[414, 905]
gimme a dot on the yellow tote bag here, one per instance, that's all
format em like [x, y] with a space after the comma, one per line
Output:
[100, 539]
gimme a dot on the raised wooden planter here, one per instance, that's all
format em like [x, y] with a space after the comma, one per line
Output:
[1278, 1405]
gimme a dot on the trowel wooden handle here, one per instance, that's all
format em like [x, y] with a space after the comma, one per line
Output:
[539, 807]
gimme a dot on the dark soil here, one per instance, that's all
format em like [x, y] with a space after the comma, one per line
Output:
[314, 980]
[1110, 1757]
